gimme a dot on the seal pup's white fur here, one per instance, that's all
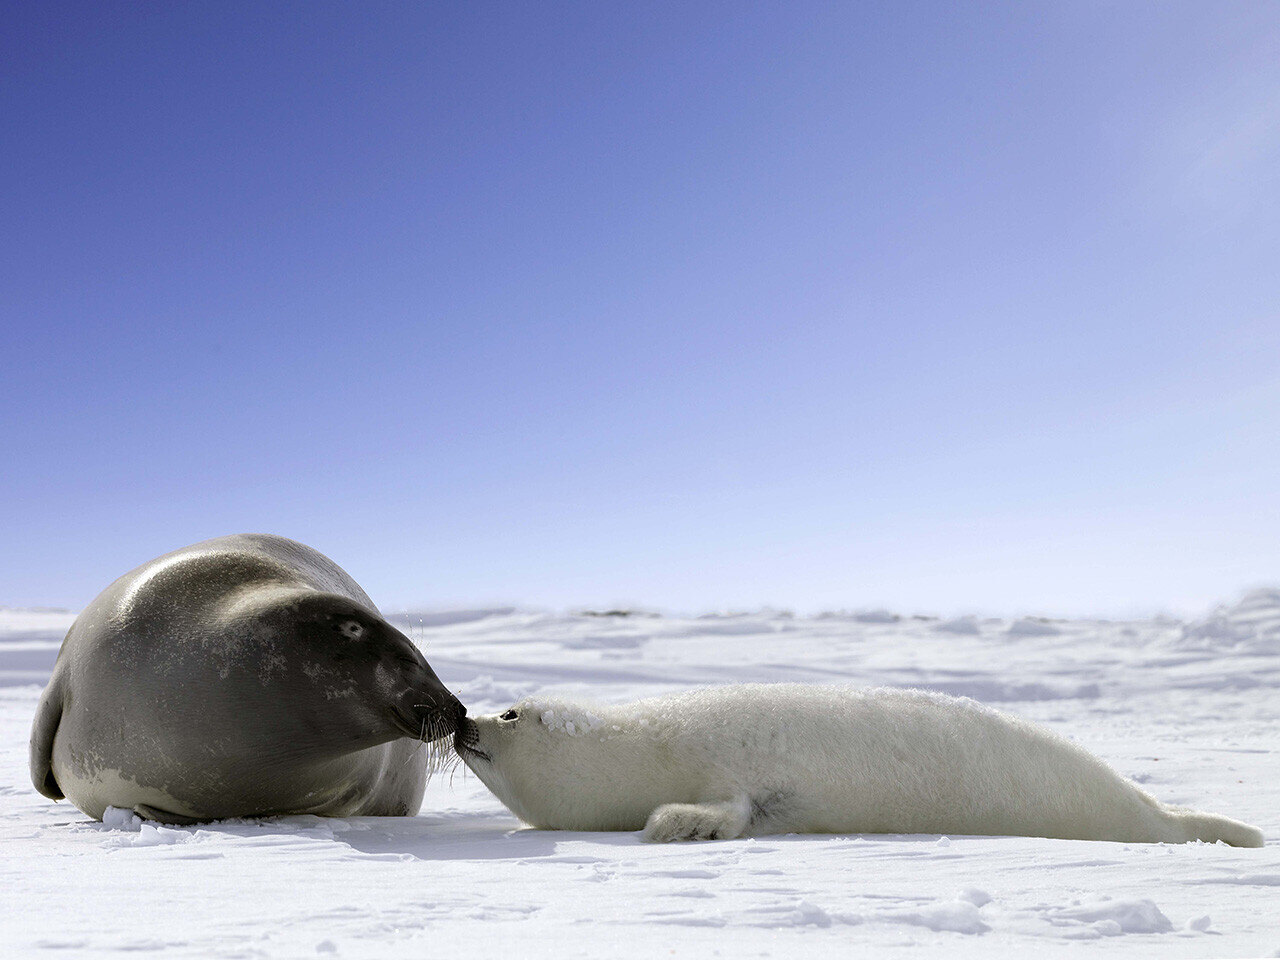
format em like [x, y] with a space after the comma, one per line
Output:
[757, 759]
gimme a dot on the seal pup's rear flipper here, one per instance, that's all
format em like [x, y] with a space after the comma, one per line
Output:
[43, 730]
[147, 812]
[1212, 828]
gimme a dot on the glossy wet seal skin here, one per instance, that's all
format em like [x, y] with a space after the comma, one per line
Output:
[243, 676]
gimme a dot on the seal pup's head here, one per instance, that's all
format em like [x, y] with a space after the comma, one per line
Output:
[557, 764]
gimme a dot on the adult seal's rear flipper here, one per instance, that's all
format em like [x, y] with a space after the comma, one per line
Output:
[45, 728]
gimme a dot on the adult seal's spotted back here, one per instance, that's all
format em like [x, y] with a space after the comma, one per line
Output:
[243, 676]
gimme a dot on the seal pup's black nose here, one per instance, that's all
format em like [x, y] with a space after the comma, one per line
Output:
[466, 740]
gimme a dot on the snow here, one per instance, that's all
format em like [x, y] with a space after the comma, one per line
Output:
[962, 625]
[1190, 710]
[1252, 624]
[1031, 627]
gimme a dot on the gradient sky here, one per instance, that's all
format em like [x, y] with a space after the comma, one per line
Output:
[944, 307]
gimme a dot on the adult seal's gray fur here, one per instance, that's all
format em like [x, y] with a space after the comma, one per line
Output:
[242, 676]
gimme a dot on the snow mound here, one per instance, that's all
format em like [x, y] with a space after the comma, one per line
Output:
[599, 641]
[1251, 625]
[118, 818]
[875, 616]
[1110, 918]
[961, 626]
[979, 898]
[804, 914]
[953, 916]
[1032, 627]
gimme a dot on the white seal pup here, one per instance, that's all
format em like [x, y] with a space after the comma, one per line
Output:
[243, 676]
[757, 759]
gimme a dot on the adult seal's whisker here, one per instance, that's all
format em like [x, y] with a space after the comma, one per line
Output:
[417, 751]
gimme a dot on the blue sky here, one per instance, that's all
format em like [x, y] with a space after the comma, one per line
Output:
[945, 307]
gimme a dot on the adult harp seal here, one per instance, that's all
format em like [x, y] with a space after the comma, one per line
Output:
[247, 675]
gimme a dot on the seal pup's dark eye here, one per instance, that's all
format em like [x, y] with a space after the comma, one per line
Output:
[351, 629]
[510, 715]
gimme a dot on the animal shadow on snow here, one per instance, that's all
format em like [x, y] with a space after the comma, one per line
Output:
[452, 836]
[464, 836]
[489, 836]
[460, 835]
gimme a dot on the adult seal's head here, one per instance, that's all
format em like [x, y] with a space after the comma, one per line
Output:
[243, 676]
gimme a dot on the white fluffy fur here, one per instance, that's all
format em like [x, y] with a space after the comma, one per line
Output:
[757, 759]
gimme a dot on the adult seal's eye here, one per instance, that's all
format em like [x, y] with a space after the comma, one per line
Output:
[510, 715]
[351, 629]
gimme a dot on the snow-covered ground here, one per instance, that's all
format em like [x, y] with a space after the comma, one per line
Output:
[1189, 710]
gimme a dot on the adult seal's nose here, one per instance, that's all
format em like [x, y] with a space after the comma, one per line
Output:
[433, 703]
[456, 710]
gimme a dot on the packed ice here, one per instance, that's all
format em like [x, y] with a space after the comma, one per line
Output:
[1188, 709]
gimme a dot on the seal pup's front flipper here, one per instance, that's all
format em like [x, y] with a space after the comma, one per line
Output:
[48, 716]
[147, 812]
[698, 821]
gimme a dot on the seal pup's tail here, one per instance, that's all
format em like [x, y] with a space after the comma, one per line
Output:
[1211, 828]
